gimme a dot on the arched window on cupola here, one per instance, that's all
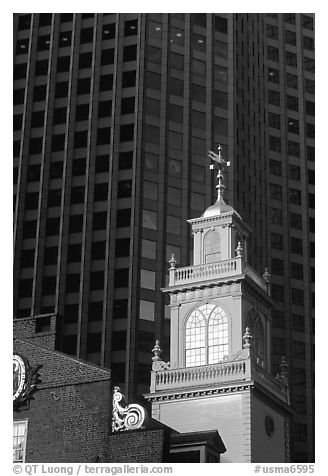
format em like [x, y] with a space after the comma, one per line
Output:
[254, 322]
[212, 252]
[207, 336]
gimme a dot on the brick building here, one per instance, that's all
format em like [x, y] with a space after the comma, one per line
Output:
[69, 418]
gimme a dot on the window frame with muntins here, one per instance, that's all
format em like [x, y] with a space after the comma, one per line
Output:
[206, 336]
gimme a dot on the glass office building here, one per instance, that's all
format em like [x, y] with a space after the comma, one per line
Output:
[114, 115]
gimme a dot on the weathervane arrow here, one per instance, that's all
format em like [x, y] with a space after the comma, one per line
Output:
[218, 158]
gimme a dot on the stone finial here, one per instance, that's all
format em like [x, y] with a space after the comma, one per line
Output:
[283, 367]
[239, 250]
[247, 338]
[157, 352]
[266, 275]
[172, 261]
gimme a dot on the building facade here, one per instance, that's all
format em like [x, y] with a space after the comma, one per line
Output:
[113, 118]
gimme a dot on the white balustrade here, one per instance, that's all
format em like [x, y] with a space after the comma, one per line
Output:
[210, 271]
[202, 375]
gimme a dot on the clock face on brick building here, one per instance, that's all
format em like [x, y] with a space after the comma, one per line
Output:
[19, 375]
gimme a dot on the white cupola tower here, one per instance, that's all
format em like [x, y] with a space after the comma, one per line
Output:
[219, 375]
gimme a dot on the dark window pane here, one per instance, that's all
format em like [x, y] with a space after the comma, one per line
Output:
[39, 92]
[82, 112]
[74, 253]
[220, 49]
[66, 17]
[108, 31]
[80, 139]
[293, 125]
[16, 148]
[36, 145]
[294, 172]
[198, 93]
[130, 27]
[50, 255]
[99, 220]
[125, 160]
[127, 105]
[103, 135]
[107, 56]
[295, 221]
[58, 142]
[86, 35]
[130, 53]
[95, 311]
[75, 223]
[122, 247]
[33, 173]
[78, 167]
[128, 79]
[274, 143]
[20, 71]
[27, 258]
[126, 132]
[72, 283]
[45, 19]
[123, 218]
[63, 64]
[294, 148]
[31, 201]
[49, 285]
[100, 192]
[43, 43]
[41, 67]
[25, 287]
[52, 226]
[69, 344]
[94, 342]
[83, 86]
[65, 38]
[220, 24]
[102, 164]
[85, 60]
[121, 278]
[124, 189]
[29, 229]
[24, 22]
[96, 280]
[106, 82]
[120, 309]
[273, 75]
[19, 95]
[176, 61]
[77, 194]
[153, 80]
[291, 80]
[104, 109]
[71, 313]
[274, 97]
[174, 113]
[60, 115]
[175, 86]
[61, 89]
[275, 167]
[98, 250]
[54, 198]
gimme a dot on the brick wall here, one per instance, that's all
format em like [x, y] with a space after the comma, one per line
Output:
[25, 328]
[69, 418]
[139, 446]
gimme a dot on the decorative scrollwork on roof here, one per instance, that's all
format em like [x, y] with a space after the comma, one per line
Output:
[126, 417]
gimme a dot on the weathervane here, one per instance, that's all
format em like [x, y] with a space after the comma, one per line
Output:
[220, 162]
